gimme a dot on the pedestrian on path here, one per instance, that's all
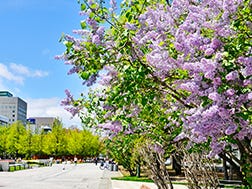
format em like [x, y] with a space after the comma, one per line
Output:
[75, 160]
[64, 163]
[96, 160]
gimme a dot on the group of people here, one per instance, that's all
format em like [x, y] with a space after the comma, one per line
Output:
[64, 161]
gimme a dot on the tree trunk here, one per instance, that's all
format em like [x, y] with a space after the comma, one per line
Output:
[156, 163]
[225, 169]
[138, 170]
[176, 164]
[235, 167]
[199, 171]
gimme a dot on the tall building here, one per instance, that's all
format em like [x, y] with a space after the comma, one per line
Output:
[4, 120]
[14, 108]
[41, 123]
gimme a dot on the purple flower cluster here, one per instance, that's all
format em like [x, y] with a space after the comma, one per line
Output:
[68, 104]
[189, 36]
[114, 127]
[185, 44]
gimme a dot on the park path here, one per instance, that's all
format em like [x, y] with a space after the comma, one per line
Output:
[81, 176]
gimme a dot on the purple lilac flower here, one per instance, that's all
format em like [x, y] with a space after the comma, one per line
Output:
[68, 100]
[247, 71]
[246, 60]
[250, 96]
[230, 92]
[113, 5]
[70, 38]
[231, 130]
[107, 115]
[157, 148]
[215, 44]
[105, 79]
[211, 111]
[209, 51]
[73, 110]
[130, 26]
[217, 147]
[61, 57]
[245, 131]
[247, 82]
[217, 81]
[214, 96]
[100, 31]
[218, 56]
[180, 137]
[232, 76]
[74, 69]
[224, 113]
[107, 107]
[82, 32]
[91, 80]
[129, 130]
[92, 23]
[96, 39]
[190, 86]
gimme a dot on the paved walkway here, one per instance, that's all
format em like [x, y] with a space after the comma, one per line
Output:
[82, 176]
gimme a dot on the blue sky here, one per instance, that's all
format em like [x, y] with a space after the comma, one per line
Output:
[30, 33]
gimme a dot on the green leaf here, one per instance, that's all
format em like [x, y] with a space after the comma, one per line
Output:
[83, 25]
[83, 7]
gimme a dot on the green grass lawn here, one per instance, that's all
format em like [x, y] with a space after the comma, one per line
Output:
[141, 179]
[146, 179]
[133, 178]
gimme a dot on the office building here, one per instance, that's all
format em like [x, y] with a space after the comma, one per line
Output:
[3, 120]
[14, 108]
[37, 124]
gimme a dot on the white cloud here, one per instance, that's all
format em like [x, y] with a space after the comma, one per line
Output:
[50, 107]
[7, 74]
[2, 86]
[23, 70]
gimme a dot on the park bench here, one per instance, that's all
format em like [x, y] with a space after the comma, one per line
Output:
[18, 166]
[6, 165]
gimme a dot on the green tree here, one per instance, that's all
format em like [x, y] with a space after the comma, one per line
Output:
[121, 149]
[14, 139]
[56, 140]
[3, 141]
[90, 144]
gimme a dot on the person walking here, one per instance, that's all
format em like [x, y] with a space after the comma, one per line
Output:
[63, 160]
[96, 160]
[75, 160]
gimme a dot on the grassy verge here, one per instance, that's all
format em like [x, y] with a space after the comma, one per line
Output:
[132, 178]
[146, 179]
[141, 179]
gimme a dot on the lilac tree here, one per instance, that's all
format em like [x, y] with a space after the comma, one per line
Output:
[163, 65]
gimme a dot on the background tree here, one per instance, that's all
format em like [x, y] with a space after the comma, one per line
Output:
[56, 140]
[3, 141]
[121, 149]
[14, 140]
[73, 141]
